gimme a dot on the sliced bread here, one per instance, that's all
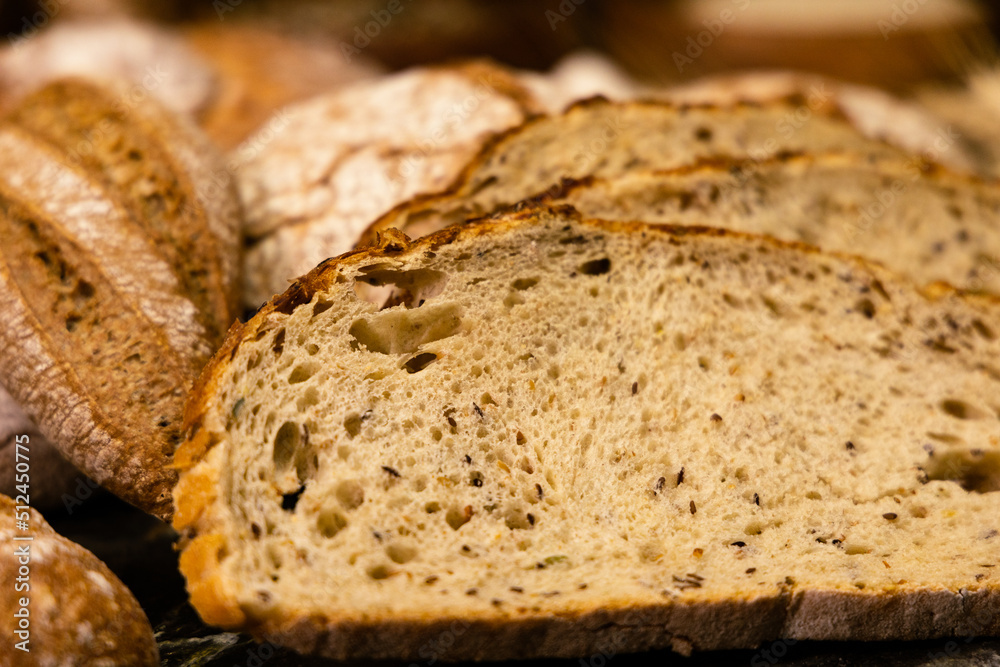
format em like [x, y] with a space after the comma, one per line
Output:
[605, 139]
[923, 221]
[561, 436]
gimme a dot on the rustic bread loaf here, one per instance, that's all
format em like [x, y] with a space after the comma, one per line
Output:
[51, 474]
[117, 278]
[79, 613]
[605, 139]
[917, 219]
[343, 159]
[563, 435]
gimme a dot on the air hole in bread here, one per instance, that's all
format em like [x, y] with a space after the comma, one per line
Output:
[405, 331]
[419, 362]
[278, 346]
[289, 501]
[308, 399]
[400, 553]
[517, 519]
[974, 470]
[961, 410]
[301, 373]
[946, 438]
[350, 494]
[379, 572]
[410, 288]
[458, 517]
[865, 307]
[522, 284]
[330, 522]
[321, 306]
[513, 299]
[353, 422]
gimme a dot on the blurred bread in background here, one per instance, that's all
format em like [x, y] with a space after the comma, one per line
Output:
[886, 43]
[259, 70]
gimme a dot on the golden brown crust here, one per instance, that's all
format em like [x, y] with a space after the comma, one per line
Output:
[79, 611]
[110, 313]
[699, 623]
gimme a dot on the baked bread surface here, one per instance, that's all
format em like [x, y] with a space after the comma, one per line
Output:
[560, 435]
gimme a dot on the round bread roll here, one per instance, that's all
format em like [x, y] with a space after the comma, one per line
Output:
[78, 612]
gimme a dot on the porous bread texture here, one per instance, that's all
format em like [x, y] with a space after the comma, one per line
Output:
[80, 613]
[919, 220]
[604, 139]
[563, 435]
[343, 159]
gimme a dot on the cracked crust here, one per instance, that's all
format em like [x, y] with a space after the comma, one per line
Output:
[697, 619]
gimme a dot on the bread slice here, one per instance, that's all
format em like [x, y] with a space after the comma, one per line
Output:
[562, 436]
[602, 139]
[875, 112]
[920, 220]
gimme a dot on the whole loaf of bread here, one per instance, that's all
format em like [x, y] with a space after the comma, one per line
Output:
[117, 277]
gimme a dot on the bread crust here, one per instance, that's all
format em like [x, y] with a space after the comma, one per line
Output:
[80, 612]
[95, 307]
[695, 623]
